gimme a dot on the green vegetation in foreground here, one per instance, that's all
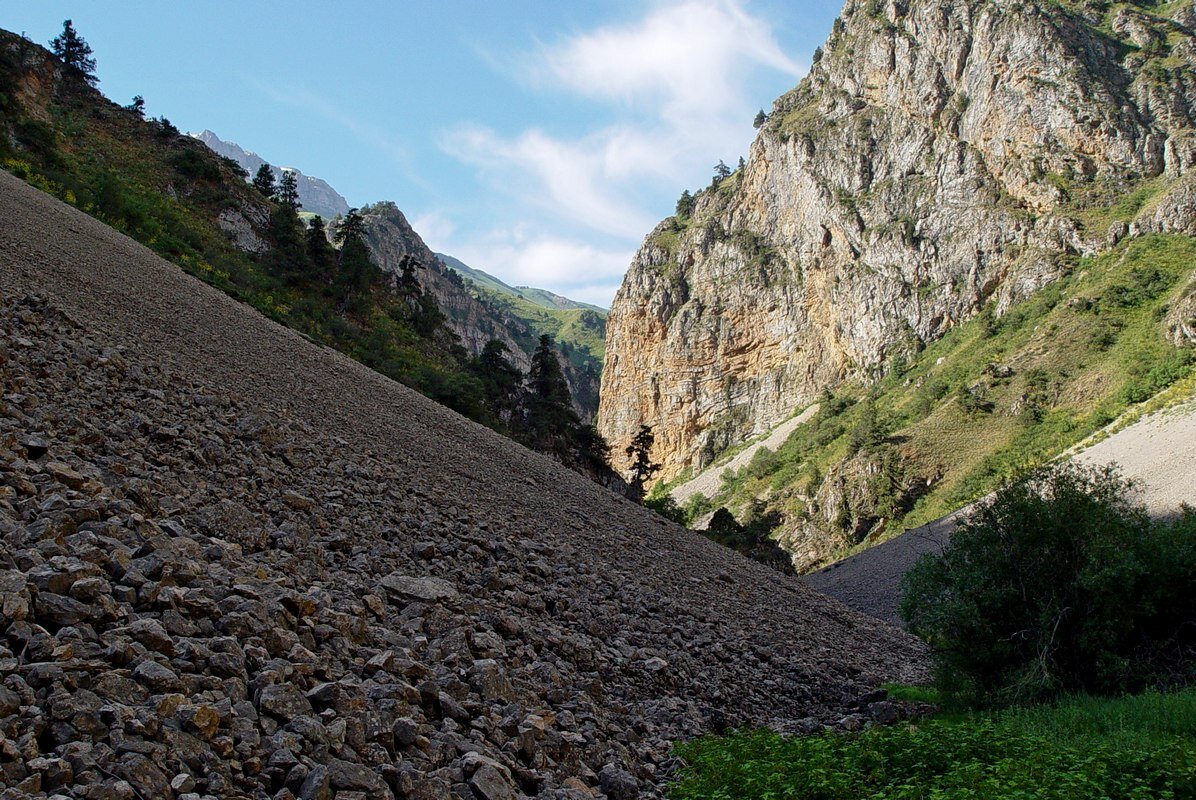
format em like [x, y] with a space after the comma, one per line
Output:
[1060, 583]
[1080, 748]
[992, 397]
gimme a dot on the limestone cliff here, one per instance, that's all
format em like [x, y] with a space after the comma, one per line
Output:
[941, 153]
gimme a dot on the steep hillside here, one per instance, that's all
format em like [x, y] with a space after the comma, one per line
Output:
[236, 562]
[315, 194]
[579, 328]
[477, 317]
[474, 320]
[942, 162]
[195, 208]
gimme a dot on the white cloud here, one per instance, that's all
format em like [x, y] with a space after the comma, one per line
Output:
[677, 80]
[688, 56]
[524, 257]
[435, 229]
[572, 180]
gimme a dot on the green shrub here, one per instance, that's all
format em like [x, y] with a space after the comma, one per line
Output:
[191, 164]
[1151, 378]
[666, 506]
[1058, 584]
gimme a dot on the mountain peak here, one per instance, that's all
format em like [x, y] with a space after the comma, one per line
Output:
[315, 194]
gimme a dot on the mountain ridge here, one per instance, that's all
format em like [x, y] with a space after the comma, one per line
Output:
[941, 162]
[541, 297]
[316, 195]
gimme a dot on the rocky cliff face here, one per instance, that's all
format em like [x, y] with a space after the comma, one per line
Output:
[941, 154]
[390, 237]
[315, 194]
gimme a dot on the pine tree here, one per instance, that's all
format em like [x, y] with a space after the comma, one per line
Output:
[685, 205]
[356, 271]
[263, 181]
[288, 190]
[642, 467]
[137, 106]
[319, 252]
[721, 170]
[351, 226]
[760, 119]
[550, 420]
[502, 382]
[409, 288]
[75, 53]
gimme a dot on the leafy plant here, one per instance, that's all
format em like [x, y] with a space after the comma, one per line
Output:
[1060, 583]
[1076, 750]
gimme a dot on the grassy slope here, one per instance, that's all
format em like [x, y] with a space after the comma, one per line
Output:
[1080, 748]
[1070, 359]
[581, 329]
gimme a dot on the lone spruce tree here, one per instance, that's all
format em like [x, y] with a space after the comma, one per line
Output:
[288, 190]
[642, 466]
[550, 420]
[502, 381]
[263, 181]
[75, 54]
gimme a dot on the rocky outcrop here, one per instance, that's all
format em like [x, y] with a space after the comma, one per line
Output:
[853, 502]
[939, 156]
[236, 564]
[241, 232]
[1181, 318]
[391, 238]
[315, 195]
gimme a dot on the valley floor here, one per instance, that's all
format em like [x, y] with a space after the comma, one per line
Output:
[1157, 452]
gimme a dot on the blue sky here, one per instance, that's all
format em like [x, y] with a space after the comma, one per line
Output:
[539, 141]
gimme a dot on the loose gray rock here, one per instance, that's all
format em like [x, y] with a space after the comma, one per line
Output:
[429, 590]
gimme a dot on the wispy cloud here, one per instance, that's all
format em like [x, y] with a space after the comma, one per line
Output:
[687, 58]
[435, 228]
[673, 85]
[526, 256]
[374, 137]
[574, 180]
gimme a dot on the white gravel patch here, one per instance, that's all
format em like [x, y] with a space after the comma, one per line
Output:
[709, 481]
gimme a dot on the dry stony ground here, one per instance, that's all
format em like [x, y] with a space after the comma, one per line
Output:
[235, 564]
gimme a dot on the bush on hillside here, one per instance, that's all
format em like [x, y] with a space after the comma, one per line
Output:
[1060, 583]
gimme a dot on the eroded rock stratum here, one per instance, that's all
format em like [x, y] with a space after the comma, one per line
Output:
[939, 156]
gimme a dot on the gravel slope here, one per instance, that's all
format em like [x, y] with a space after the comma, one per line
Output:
[1158, 452]
[355, 589]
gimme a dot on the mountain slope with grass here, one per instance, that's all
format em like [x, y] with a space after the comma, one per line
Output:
[196, 208]
[1157, 452]
[966, 235]
[541, 297]
[580, 328]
